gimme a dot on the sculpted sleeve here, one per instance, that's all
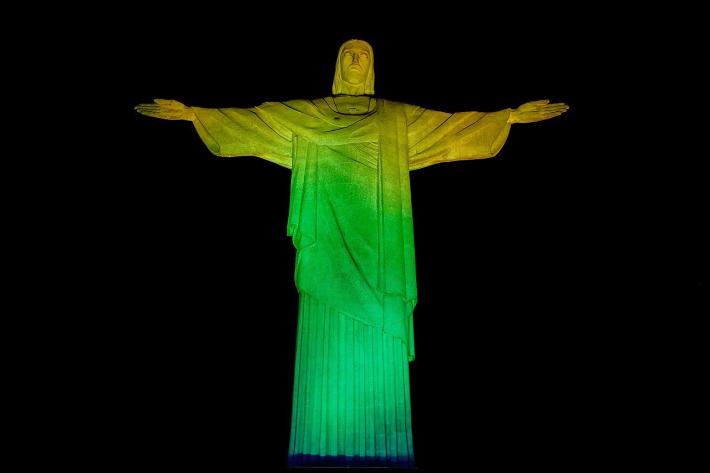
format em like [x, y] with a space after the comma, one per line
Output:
[437, 137]
[230, 132]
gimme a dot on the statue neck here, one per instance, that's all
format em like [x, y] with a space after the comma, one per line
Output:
[353, 89]
[354, 104]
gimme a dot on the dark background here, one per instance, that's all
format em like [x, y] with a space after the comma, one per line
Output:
[551, 278]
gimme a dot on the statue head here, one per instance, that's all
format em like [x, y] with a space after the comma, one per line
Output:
[354, 69]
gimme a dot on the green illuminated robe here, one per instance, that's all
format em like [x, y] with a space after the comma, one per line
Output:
[350, 218]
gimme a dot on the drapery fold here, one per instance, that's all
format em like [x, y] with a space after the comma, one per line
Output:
[351, 403]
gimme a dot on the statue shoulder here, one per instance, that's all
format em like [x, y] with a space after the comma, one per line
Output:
[296, 103]
[411, 112]
[289, 107]
[396, 103]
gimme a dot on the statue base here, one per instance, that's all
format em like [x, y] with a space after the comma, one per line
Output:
[348, 463]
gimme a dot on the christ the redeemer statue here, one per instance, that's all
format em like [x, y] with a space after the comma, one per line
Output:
[350, 218]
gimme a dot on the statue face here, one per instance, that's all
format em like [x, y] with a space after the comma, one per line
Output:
[355, 62]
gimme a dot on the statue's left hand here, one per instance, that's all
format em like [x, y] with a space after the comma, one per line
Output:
[537, 111]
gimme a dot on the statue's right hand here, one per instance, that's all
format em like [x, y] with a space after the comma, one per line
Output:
[166, 109]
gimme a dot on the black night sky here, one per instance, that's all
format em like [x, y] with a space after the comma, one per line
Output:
[542, 273]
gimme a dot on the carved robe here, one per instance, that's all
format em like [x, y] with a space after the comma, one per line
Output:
[350, 218]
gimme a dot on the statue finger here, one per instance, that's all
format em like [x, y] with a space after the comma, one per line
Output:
[149, 113]
[148, 110]
[550, 108]
[158, 112]
[553, 109]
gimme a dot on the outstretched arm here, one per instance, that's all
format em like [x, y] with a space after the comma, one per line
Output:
[438, 137]
[229, 132]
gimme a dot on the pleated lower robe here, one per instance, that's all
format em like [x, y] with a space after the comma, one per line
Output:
[351, 402]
